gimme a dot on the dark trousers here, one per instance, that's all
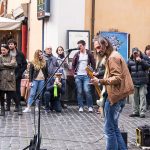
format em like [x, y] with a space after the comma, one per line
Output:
[55, 102]
[10, 95]
[18, 91]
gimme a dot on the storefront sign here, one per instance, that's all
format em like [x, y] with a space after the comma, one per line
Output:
[43, 9]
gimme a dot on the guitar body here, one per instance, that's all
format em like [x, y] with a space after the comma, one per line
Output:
[101, 101]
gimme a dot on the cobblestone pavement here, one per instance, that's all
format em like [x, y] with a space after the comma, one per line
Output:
[69, 130]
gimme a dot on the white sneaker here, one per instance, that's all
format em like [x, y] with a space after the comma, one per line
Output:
[90, 109]
[36, 109]
[80, 109]
[27, 110]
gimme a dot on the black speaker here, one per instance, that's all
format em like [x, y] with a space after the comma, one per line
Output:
[143, 135]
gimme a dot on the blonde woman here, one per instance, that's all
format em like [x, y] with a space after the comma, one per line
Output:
[37, 77]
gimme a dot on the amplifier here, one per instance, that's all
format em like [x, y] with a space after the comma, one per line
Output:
[143, 135]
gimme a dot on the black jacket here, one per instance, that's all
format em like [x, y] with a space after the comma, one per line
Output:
[34, 73]
[21, 64]
[139, 70]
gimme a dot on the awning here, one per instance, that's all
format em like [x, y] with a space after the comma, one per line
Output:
[9, 24]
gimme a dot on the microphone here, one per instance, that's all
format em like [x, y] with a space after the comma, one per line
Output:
[72, 49]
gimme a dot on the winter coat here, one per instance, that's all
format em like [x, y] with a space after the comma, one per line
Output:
[46, 56]
[7, 73]
[52, 65]
[139, 70]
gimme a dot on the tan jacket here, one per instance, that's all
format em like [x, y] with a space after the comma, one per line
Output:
[118, 80]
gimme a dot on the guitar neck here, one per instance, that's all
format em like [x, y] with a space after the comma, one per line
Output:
[90, 74]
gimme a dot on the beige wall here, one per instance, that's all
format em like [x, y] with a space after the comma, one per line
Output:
[34, 31]
[131, 16]
[34, 26]
[12, 4]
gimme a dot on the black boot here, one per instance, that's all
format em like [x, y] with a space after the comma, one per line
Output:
[8, 103]
[16, 109]
[2, 111]
[7, 108]
[20, 110]
[63, 105]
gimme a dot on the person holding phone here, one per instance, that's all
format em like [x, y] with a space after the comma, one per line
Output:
[138, 65]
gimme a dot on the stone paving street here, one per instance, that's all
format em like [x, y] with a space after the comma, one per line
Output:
[69, 130]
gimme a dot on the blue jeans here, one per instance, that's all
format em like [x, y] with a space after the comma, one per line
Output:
[114, 140]
[37, 85]
[83, 87]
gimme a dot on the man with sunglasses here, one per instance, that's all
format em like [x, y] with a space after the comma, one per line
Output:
[119, 85]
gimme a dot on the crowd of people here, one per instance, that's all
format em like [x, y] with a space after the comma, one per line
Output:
[116, 77]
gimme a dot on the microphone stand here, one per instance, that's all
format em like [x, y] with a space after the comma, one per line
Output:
[36, 141]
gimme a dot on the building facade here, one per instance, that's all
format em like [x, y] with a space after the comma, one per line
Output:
[130, 16]
[26, 11]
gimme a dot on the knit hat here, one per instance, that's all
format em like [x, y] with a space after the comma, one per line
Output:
[59, 73]
[135, 49]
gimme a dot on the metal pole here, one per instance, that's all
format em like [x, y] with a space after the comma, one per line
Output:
[42, 34]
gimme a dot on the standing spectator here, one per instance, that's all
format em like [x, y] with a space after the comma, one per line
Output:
[7, 78]
[119, 85]
[79, 63]
[47, 53]
[21, 67]
[55, 88]
[37, 77]
[100, 66]
[138, 65]
[51, 60]
[147, 52]
[64, 68]
[60, 58]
